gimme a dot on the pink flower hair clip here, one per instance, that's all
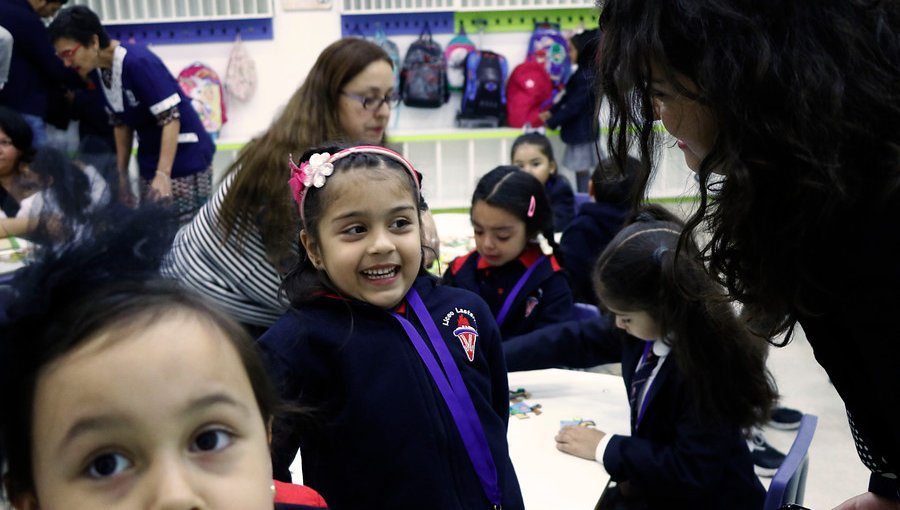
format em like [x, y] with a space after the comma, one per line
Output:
[309, 173]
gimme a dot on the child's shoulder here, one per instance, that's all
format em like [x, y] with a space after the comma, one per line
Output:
[457, 264]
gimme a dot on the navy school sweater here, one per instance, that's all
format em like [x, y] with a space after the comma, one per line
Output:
[584, 240]
[384, 437]
[562, 201]
[546, 297]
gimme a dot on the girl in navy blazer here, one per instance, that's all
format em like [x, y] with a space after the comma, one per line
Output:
[695, 378]
[524, 288]
[407, 377]
[533, 153]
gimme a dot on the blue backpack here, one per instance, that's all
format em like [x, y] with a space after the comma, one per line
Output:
[423, 81]
[484, 92]
[549, 48]
[390, 47]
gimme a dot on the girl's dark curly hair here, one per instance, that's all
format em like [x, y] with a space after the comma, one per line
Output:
[802, 92]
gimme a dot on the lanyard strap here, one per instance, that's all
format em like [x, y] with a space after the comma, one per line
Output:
[450, 383]
[645, 400]
[507, 304]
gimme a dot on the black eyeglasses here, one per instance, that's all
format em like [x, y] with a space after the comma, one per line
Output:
[374, 103]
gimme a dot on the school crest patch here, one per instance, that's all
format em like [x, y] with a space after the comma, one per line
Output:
[464, 331]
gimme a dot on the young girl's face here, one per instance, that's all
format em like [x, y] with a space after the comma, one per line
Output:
[638, 324]
[499, 235]
[369, 235]
[161, 417]
[9, 155]
[530, 158]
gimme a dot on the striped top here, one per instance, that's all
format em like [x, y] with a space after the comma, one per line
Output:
[242, 281]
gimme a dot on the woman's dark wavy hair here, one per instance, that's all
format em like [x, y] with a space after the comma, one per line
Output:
[723, 365]
[71, 295]
[802, 93]
[305, 283]
[512, 189]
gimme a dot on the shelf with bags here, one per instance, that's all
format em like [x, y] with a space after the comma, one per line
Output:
[443, 20]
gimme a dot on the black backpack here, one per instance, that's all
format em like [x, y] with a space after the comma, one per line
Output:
[484, 94]
[423, 82]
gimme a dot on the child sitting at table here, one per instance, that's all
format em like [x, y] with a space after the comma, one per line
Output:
[525, 289]
[120, 390]
[595, 224]
[69, 193]
[695, 378]
[533, 153]
[407, 375]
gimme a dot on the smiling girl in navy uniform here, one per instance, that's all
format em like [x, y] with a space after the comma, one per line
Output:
[408, 377]
[524, 288]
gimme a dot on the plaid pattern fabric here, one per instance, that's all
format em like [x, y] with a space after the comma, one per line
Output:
[189, 193]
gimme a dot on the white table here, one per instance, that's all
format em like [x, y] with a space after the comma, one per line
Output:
[549, 478]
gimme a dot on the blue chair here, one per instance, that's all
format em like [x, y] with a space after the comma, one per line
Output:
[581, 199]
[789, 482]
[585, 311]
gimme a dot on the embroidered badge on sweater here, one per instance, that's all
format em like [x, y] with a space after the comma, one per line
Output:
[467, 336]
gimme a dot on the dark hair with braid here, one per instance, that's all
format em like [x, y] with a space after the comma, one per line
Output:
[800, 93]
[644, 269]
[509, 188]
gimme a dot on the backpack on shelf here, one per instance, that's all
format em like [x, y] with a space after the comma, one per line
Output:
[423, 82]
[549, 48]
[528, 93]
[455, 55]
[389, 47]
[204, 88]
[484, 94]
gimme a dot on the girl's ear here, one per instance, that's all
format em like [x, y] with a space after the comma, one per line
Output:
[312, 250]
[553, 168]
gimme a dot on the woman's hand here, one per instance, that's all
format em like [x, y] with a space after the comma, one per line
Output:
[126, 197]
[868, 501]
[161, 187]
[579, 441]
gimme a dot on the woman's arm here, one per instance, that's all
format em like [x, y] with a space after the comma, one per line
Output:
[161, 187]
[124, 136]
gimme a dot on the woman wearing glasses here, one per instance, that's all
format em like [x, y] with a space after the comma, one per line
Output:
[174, 151]
[241, 243]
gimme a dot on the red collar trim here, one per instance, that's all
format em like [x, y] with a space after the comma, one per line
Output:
[528, 257]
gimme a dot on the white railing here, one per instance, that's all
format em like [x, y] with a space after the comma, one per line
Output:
[155, 11]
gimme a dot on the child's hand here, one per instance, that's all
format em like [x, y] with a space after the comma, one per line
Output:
[579, 441]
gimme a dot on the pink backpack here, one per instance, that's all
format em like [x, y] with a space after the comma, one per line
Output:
[529, 91]
[204, 88]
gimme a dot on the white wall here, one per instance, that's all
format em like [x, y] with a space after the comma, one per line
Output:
[451, 168]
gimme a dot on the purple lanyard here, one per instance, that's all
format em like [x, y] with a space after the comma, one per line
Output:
[645, 400]
[455, 394]
[507, 304]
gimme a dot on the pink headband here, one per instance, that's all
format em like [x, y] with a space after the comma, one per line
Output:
[312, 173]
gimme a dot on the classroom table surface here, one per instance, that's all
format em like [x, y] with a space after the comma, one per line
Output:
[549, 478]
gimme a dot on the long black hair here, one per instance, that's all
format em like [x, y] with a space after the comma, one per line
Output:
[722, 363]
[801, 93]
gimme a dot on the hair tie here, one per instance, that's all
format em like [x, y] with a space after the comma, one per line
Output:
[313, 173]
[531, 206]
[658, 254]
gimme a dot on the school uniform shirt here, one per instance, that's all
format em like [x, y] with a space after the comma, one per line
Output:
[382, 435]
[673, 458]
[141, 88]
[574, 114]
[583, 241]
[562, 201]
[546, 297]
